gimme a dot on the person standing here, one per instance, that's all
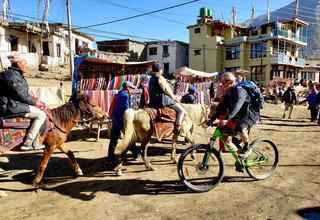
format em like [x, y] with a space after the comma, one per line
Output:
[313, 106]
[161, 95]
[15, 100]
[117, 120]
[289, 98]
[190, 98]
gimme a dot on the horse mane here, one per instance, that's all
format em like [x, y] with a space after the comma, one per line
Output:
[194, 111]
[63, 114]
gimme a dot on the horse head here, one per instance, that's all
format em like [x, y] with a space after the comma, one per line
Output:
[88, 109]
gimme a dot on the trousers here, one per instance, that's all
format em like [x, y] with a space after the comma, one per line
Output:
[39, 117]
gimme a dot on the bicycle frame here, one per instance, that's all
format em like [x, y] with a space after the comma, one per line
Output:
[242, 162]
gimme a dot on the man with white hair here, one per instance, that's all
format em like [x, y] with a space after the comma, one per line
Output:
[236, 103]
[15, 99]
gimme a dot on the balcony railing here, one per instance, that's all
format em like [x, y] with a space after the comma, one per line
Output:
[285, 59]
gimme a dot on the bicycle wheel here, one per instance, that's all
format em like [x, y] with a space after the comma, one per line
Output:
[202, 173]
[263, 160]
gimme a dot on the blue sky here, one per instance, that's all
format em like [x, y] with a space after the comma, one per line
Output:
[169, 24]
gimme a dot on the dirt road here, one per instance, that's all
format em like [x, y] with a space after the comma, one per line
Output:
[140, 194]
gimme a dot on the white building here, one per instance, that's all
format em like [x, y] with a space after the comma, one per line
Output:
[311, 70]
[172, 54]
[42, 48]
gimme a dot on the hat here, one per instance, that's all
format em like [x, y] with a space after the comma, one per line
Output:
[156, 67]
[14, 58]
[128, 84]
[193, 89]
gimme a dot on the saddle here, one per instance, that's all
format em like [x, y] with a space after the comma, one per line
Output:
[14, 129]
[163, 120]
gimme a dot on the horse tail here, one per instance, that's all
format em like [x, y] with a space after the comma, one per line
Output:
[129, 132]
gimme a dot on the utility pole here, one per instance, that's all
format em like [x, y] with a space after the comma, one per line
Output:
[70, 41]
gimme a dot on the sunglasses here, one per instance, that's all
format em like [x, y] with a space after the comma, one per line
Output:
[225, 81]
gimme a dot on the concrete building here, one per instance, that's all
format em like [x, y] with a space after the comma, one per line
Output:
[42, 48]
[135, 49]
[172, 54]
[267, 51]
[311, 70]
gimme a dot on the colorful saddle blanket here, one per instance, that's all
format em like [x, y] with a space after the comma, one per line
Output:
[163, 120]
[14, 130]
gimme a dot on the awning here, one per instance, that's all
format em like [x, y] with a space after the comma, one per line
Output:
[185, 71]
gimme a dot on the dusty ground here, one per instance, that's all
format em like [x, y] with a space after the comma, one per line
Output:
[141, 194]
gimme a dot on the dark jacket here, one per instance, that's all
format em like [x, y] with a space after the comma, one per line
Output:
[158, 98]
[289, 96]
[237, 103]
[14, 93]
[189, 99]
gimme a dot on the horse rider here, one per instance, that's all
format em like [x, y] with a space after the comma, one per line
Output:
[161, 95]
[15, 100]
[117, 121]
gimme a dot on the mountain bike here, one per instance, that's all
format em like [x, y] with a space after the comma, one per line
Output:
[201, 167]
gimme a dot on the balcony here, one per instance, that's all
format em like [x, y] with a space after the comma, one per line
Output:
[286, 60]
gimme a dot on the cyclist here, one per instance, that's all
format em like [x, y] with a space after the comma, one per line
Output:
[236, 103]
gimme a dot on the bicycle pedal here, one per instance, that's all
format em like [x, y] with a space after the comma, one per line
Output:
[239, 169]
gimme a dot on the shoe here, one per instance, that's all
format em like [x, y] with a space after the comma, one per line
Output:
[32, 145]
[246, 151]
[283, 116]
[289, 117]
[176, 130]
[136, 157]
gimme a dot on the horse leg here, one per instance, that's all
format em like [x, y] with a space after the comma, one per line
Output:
[47, 152]
[144, 146]
[174, 146]
[63, 148]
[191, 141]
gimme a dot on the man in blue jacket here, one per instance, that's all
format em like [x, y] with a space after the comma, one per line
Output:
[117, 120]
[15, 99]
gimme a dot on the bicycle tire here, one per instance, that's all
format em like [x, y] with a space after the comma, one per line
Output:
[264, 157]
[194, 175]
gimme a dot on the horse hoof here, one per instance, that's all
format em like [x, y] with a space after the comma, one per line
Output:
[175, 161]
[151, 168]
[119, 172]
[3, 194]
[79, 172]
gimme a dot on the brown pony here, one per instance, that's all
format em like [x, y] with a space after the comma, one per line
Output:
[138, 126]
[65, 117]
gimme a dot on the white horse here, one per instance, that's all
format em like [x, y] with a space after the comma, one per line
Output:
[138, 126]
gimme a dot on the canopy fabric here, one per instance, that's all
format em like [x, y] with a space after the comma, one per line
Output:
[185, 71]
[89, 65]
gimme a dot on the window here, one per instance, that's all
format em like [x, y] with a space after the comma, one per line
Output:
[14, 43]
[165, 49]
[58, 50]
[153, 51]
[197, 52]
[258, 73]
[45, 48]
[257, 49]
[165, 52]
[233, 53]
[197, 30]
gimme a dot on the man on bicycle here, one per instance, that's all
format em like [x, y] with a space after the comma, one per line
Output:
[236, 103]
